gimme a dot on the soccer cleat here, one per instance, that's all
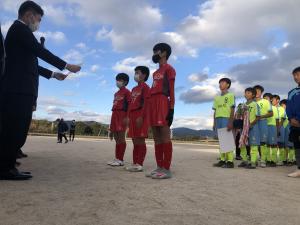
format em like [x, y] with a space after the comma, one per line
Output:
[219, 164]
[279, 164]
[251, 166]
[116, 162]
[163, 174]
[158, 169]
[228, 165]
[263, 164]
[238, 158]
[243, 164]
[295, 174]
[137, 168]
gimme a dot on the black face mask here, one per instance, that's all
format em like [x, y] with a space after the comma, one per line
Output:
[156, 58]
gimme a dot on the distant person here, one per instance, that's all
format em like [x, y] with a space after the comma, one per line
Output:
[72, 130]
[223, 106]
[19, 85]
[62, 130]
[293, 113]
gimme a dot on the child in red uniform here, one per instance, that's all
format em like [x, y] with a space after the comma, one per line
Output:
[161, 104]
[138, 118]
[119, 118]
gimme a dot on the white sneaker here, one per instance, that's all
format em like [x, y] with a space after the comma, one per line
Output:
[295, 174]
[163, 174]
[279, 164]
[111, 162]
[117, 163]
[153, 172]
[128, 168]
[136, 168]
[263, 164]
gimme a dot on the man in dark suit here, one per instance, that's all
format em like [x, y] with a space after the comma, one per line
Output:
[2, 54]
[19, 85]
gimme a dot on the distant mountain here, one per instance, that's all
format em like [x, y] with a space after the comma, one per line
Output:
[184, 132]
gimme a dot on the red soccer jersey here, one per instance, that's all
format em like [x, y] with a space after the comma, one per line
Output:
[163, 82]
[121, 99]
[139, 96]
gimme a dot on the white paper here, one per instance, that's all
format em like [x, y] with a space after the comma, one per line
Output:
[226, 140]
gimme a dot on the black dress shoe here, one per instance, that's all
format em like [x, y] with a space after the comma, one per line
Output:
[14, 174]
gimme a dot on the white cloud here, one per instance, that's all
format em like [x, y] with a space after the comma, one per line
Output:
[240, 54]
[127, 65]
[94, 68]
[73, 56]
[194, 122]
[52, 101]
[56, 36]
[208, 89]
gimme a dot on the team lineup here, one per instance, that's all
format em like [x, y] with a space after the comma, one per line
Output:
[267, 130]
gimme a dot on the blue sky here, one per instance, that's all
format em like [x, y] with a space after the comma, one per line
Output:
[252, 43]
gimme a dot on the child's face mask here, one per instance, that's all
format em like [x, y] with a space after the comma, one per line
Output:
[119, 84]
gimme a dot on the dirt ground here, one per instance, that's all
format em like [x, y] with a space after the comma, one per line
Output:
[72, 185]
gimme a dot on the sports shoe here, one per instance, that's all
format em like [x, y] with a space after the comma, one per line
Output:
[127, 168]
[136, 168]
[158, 169]
[116, 162]
[163, 174]
[243, 164]
[228, 165]
[219, 164]
[263, 164]
[295, 174]
[279, 164]
[238, 158]
[251, 166]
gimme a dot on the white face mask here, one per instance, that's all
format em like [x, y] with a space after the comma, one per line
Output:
[119, 84]
[34, 26]
[137, 77]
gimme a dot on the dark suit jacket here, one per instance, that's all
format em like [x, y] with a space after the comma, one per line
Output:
[2, 54]
[22, 70]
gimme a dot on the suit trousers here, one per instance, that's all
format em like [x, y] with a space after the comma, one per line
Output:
[15, 119]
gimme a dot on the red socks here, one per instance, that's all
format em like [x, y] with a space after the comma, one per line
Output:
[139, 154]
[159, 155]
[167, 151]
[120, 151]
[163, 155]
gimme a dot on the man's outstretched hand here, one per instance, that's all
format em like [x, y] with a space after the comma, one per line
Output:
[73, 68]
[59, 76]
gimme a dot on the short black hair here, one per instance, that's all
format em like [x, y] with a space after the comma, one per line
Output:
[268, 95]
[163, 47]
[30, 6]
[276, 96]
[296, 70]
[283, 101]
[144, 70]
[123, 77]
[259, 87]
[227, 80]
[252, 90]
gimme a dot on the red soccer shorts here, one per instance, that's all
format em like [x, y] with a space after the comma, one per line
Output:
[159, 106]
[117, 121]
[134, 131]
